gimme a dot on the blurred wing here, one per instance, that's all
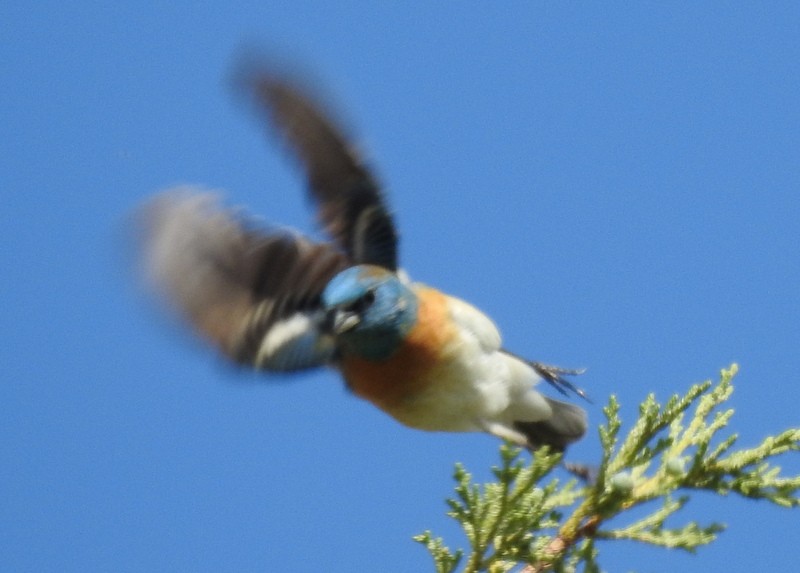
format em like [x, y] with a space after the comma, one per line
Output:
[351, 206]
[255, 295]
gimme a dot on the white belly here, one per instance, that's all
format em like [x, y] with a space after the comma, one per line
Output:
[473, 389]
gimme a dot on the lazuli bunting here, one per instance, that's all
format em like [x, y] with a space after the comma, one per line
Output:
[277, 301]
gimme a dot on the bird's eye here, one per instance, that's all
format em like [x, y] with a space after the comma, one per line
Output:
[368, 298]
[364, 302]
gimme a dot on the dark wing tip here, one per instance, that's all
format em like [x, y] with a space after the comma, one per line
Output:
[350, 203]
[256, 70]
[295, 107]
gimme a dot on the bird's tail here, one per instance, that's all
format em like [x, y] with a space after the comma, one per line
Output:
[567, 424]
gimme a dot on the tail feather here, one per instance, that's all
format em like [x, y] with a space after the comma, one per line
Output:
[567, 424]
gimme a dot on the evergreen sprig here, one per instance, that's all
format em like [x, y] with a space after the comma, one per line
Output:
[521, 521]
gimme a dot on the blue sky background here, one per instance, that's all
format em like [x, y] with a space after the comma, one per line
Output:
[616, 185]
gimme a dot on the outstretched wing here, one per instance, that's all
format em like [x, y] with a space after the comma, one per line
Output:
[254, 294]
[351, 206]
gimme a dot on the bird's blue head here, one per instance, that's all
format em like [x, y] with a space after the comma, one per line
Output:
[369, 310]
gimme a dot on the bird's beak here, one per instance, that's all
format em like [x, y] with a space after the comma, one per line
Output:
[339, 321]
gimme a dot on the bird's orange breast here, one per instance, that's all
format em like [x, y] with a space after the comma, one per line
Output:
[390, 383]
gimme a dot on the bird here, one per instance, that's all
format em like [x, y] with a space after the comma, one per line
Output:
[271, 298]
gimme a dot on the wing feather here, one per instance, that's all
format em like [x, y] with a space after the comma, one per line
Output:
[255, 294]
[352, 209]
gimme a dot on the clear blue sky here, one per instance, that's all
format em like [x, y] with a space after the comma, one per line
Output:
[616, 186]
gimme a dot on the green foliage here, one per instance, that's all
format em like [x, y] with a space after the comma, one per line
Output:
[528, 517]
